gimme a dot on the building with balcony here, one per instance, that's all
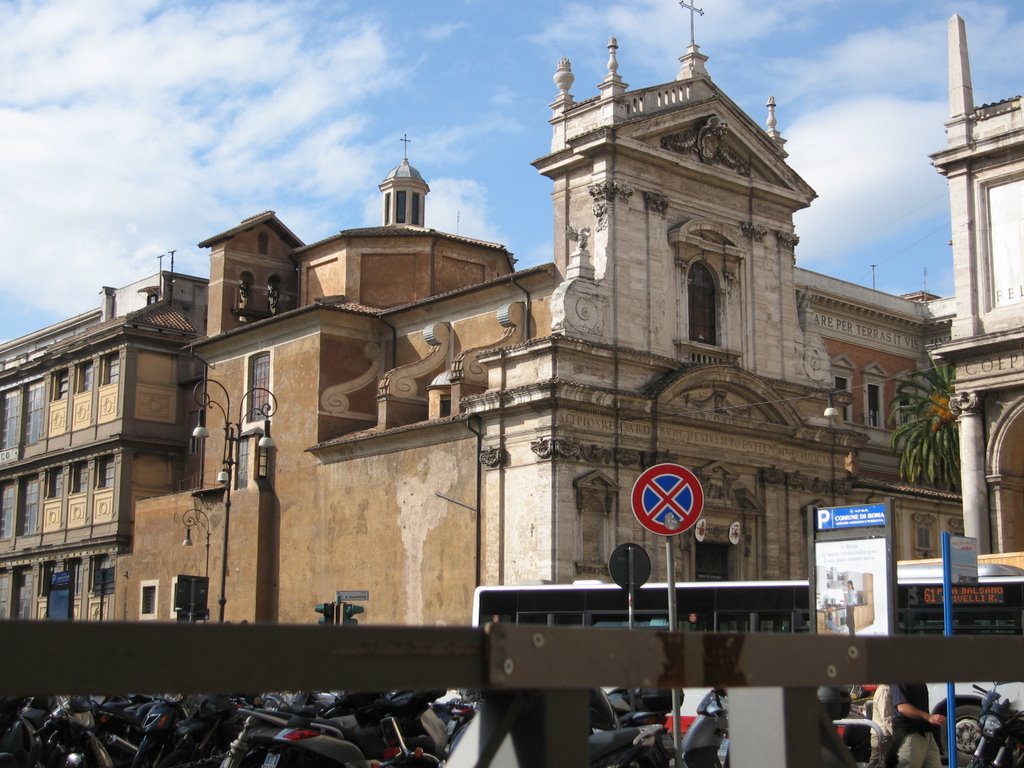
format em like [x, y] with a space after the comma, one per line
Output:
[93, 419]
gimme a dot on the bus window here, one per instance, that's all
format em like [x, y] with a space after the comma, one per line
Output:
[550, 618]
[732, 622]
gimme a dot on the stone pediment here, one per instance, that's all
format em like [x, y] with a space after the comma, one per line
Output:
[719, 139]
[720, 393]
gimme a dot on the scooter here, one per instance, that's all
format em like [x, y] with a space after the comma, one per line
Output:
[706, 743]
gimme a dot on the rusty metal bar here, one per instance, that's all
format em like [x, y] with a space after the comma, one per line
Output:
[105, 657]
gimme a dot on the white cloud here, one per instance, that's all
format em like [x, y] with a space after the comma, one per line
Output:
[130, 128]
[460, 206]
[866, 158]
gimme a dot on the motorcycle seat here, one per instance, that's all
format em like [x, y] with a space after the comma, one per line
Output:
[603, 742]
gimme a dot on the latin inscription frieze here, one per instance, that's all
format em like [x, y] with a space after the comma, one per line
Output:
[1012, 361]
[854, 329]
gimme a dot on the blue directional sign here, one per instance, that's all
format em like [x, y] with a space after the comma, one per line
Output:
[838, 518]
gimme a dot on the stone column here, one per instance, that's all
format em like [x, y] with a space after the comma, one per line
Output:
[974, 488]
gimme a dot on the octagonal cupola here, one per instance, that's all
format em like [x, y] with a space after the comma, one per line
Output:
[403, 196]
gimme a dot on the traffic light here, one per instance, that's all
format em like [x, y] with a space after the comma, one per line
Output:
[348, 611]
[328, 611]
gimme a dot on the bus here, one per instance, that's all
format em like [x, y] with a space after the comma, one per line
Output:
[993, 606]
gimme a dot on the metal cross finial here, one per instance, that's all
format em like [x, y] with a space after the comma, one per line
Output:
[692, 9]
[405, 151]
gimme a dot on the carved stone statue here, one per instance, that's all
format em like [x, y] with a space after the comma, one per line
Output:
[579, 236]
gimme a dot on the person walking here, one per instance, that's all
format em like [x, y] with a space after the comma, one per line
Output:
[881, 713]
[913, 729]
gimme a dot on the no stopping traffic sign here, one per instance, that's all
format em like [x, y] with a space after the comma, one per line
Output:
[667, 499]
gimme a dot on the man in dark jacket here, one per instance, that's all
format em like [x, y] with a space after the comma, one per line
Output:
[913, 728]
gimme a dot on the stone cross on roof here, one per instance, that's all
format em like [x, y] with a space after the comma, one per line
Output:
[692, 9]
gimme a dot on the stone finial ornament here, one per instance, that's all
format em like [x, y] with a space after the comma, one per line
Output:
[613, 62]
[564, 77]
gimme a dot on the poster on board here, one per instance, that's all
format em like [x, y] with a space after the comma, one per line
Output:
[851, 585]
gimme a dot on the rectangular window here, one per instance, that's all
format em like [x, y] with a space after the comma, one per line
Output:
[55, 483]
[400, 207]
[25, 596]
[924, 537]
[59, 390]
[242, 467]
[904, 416]
[8, 498]
[11, 404]
[29, 517]
[387, 208]
[34, 416]
[147, 602]
[416, 208]
[259, 386]
[84, 377]
[105, 472]
[842, 384]
[5, 595]
[80, 477]
[75, 566]
[111, 371]
[873, 415]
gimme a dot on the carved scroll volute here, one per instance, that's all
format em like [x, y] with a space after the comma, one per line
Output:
[466, 367]
[402, 381]
[334, 399]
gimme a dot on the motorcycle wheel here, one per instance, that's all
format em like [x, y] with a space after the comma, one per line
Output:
[705, 757]
[967, 730]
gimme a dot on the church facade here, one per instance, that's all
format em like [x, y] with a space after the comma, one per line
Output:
[984, 164]
[440, 420]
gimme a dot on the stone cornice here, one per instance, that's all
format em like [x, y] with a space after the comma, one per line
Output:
[861, 310]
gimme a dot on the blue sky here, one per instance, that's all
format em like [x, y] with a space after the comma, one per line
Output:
[129, 128]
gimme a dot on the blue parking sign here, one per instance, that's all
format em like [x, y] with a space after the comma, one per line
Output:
[839, 518]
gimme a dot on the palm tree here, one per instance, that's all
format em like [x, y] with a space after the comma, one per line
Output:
[926, 437]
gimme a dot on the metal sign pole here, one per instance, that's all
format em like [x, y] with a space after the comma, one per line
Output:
[673, 625]
[631, 608]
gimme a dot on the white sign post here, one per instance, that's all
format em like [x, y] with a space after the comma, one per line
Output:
[667, 500]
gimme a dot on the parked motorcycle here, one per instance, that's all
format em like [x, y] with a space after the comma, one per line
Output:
[119, 725]
[18, 738]
[159, 737]
[1001, 742]
[613, 744]
[206, 733]
[69, 738]
[351, 730]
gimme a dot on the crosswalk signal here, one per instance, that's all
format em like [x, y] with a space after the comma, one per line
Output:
[350, 610]
[328, 613]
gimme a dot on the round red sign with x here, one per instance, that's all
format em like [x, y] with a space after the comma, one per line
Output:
[667, 499]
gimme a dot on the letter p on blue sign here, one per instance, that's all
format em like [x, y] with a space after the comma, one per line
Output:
[824, 518]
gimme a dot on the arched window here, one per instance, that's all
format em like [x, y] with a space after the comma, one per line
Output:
[701, 300]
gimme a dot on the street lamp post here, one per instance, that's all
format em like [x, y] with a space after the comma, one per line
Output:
[196, 518]
[262, 405]
[831, 412]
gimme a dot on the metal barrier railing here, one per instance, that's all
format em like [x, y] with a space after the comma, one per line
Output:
[537, 675]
